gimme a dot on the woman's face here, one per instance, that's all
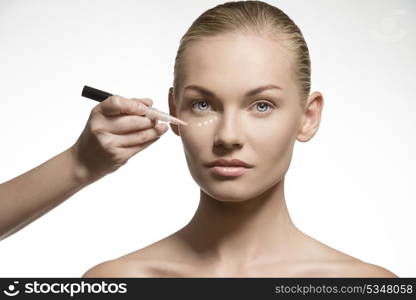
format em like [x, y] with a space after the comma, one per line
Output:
[226, 121]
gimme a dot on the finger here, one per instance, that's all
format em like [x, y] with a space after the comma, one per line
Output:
[130, 151]
[140, 137]
[147, 101]
[127, 123]
[117, 105]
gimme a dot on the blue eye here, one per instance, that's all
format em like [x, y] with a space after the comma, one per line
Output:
[263, 107]
[199, 106]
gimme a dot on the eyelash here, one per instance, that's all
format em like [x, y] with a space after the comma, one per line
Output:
[258, 113]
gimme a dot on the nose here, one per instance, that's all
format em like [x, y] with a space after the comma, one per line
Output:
[228, 132]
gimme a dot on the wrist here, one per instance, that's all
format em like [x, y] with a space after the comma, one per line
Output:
[80, 172]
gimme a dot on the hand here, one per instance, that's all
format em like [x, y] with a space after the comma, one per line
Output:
[116, 130]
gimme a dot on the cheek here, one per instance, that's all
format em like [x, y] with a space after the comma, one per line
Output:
[272, 142]
[195, 141]
[197, 136]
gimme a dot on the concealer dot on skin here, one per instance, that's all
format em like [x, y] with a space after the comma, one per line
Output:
[206, 122]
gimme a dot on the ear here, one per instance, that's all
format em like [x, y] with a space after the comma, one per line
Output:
[172, 111]
[311, 117]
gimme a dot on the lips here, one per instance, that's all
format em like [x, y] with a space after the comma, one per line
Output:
[228, 171]
[229, 163]
[233, 167]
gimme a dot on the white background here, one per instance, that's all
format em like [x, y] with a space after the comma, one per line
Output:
[351, 187]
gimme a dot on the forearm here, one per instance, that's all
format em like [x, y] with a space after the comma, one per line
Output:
[30, 195]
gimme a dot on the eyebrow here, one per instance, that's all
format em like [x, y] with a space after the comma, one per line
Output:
[249, 93]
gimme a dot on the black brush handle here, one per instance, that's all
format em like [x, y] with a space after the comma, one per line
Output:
[94, 94]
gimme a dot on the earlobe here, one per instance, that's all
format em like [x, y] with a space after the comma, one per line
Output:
[311, 117]
[172, 111]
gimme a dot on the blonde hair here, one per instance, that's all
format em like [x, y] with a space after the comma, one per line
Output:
[249, 16]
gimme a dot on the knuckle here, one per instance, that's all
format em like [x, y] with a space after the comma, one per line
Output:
[107, 143]
[142, 138]
[95, 128]
[119, 160]
[115, 100]
[95, 112]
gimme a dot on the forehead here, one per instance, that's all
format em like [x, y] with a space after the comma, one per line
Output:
[245, 60]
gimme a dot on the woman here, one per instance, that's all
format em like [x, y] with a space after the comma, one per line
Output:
[242, 82]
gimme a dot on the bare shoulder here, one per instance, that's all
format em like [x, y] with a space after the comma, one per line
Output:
[121, 267]
[349, 266]
[145, 262]
[335, 263]
[362, 269]
[345, 265]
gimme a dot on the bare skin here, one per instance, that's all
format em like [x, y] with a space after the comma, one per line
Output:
[116, 130]
[242, 227]
[186, 253]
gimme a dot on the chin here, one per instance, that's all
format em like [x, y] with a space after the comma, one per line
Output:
[226, 193]
[231, 190]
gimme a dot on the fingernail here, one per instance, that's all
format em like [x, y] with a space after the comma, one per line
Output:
[164, 128]
[142, 108]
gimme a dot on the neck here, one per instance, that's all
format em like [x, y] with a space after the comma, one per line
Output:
[247, 232]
